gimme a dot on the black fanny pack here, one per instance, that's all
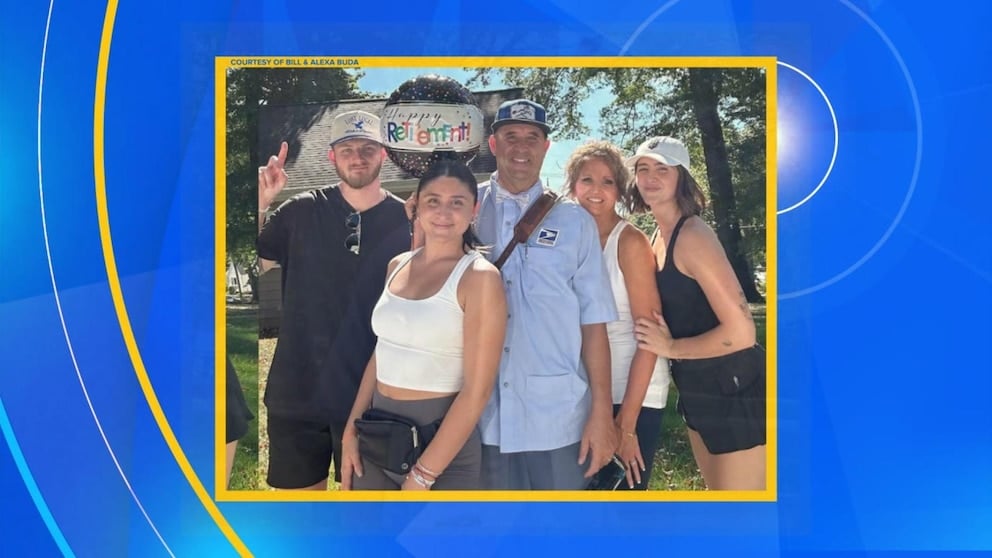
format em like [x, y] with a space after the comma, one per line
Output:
[392, 441]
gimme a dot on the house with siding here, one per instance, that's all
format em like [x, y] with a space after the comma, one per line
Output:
[307, 129]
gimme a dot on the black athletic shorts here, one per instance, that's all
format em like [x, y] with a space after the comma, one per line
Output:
[300, 451]
[723, 399]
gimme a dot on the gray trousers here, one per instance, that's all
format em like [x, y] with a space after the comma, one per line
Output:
[461, 474]
[556, 469]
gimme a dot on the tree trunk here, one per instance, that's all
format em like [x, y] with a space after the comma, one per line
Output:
[704, 102]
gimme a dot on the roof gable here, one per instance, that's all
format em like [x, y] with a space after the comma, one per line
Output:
[307, 129]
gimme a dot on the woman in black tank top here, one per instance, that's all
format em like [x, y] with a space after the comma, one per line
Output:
[706, 327]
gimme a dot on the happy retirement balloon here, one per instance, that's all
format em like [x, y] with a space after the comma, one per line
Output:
[431, 117]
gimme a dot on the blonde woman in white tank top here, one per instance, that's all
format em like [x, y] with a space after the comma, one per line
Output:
[441, 322]
[596, 178]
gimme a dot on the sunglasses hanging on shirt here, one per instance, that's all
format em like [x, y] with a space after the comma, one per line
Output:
[353, 242]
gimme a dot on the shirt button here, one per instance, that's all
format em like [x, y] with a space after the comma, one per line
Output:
[507, 223]
[506, 349]
[506, 384]
[508, 316]
[508, 282]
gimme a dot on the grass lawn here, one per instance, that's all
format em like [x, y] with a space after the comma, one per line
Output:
[674, 466]
[760, 323]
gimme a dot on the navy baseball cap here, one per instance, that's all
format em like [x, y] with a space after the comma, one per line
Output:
[522, 111]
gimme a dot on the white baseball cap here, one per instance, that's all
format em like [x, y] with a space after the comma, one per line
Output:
[663, 149]
[355, 124]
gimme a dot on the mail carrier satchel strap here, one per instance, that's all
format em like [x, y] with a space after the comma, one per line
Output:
[527, 224]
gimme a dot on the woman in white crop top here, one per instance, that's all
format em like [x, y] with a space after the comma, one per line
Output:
[440, 324]
[596, 177]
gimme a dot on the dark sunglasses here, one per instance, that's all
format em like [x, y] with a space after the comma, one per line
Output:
[354, 240]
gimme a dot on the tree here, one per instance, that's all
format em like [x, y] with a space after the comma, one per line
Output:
[703, 87]
[247, 91]
[560, 90]
[724, 113]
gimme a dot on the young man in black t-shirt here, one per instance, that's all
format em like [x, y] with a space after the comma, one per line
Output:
[333, 245]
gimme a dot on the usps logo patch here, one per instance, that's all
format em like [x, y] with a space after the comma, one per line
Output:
[547, 237]
[522, 112]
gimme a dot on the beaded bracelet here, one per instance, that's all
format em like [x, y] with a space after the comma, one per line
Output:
[424, 473]
[421, 480]
[426, 470]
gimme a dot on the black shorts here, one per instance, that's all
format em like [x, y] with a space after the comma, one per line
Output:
[300, 451]
[723, 399]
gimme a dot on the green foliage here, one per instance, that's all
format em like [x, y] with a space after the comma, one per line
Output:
[760, 313]
[647, 102]
[643, 221]
[560, 90]
[248, 89]
[242, 349]
[674, 465]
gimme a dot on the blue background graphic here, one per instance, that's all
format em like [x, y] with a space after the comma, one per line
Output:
[884, 275]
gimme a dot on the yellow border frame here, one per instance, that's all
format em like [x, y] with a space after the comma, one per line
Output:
[770, 494]
[117, 294]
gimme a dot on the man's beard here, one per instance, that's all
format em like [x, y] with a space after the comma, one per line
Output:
[360, 180]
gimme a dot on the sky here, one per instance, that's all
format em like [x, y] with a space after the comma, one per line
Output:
[385, 81]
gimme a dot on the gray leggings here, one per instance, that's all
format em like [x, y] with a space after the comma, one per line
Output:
[461, 474]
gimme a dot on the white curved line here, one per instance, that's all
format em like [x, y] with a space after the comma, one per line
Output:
[919, 142]
[58, 300]
[644, 25]
[916, 166]
[833, 156]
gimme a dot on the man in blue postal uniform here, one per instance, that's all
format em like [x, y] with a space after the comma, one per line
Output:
[549, 424]
[333, 244]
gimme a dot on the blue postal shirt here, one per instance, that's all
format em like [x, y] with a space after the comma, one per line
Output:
[554, 283]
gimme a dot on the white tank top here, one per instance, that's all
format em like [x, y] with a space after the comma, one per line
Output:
[623, 344]
[420, 341]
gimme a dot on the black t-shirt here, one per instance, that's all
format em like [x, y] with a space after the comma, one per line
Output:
[325, 336]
